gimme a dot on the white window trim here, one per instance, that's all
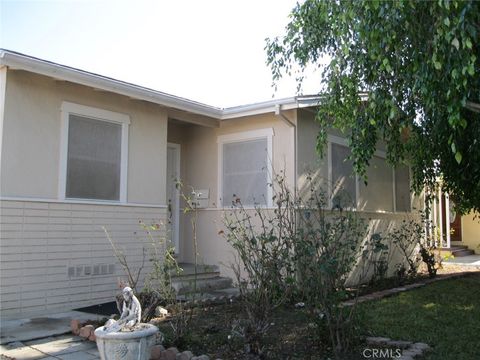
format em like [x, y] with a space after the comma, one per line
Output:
[66, 110]
[379, 153]
[244, 136]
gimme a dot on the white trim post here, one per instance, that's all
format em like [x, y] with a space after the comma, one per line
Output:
[440, 216]
[427, 218]
[434, 221]
[447, 218]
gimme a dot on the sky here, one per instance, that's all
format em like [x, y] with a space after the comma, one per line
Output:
[211, 51]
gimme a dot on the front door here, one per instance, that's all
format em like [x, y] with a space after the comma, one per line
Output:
[456, 228]
[455, 222]
[173, 195]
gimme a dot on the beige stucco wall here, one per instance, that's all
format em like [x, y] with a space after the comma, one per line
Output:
[31, 138]
[471, 231]
[199, 169]
[202, 154]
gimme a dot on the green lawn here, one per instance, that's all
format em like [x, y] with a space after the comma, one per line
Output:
[445, 315]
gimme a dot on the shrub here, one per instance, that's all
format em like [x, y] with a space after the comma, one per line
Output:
[263, 241]
[328, 245]
[300, 249]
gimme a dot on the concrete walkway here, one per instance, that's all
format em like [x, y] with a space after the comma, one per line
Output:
[46, 338]
[64, 347]
[469, 260]
[40, 327]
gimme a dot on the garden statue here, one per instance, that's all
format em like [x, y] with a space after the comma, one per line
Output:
[127, 338]
[131, 313]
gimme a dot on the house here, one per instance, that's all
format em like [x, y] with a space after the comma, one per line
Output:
[80, 151]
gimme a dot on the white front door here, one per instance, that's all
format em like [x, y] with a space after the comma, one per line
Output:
[173, 195]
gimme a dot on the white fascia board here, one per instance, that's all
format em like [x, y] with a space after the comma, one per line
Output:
[61, 72]
[296, 102]
[256, 108]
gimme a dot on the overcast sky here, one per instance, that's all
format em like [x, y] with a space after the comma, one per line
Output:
[210, 51]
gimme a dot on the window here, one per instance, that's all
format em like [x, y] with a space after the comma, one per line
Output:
[343, 180]
[94, 154]
[245, 167]
[377, 195]
[402, 188]
[387, 189]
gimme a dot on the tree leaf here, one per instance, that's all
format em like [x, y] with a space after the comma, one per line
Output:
[468, 43]
[401, 54]
[458, 157]
[456, 43]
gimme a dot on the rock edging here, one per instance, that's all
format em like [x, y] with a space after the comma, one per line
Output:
[409, 348]
[158, 352]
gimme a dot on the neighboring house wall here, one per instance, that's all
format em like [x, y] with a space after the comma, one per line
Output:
[44, 238]
[471, 231]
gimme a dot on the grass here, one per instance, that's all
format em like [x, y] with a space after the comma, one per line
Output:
[445, 315]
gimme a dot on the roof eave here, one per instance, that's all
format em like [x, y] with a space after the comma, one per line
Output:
[270, 106]
[18, 61]
[21, 62]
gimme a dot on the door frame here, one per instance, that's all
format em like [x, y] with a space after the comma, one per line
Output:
[176, 214]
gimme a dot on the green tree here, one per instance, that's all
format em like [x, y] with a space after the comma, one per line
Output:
[405, 72]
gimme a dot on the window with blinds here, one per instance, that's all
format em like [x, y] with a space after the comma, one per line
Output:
[93, 159]
[245, 174]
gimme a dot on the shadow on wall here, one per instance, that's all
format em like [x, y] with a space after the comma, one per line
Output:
[390, 256]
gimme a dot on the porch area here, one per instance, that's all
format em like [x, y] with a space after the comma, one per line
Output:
[454, 234]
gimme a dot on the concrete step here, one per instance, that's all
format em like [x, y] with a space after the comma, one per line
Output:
[462, 252]
[212, 296]
[189, 268]
[455, 246]
[452, 250]
[188, 272]
[183, 286]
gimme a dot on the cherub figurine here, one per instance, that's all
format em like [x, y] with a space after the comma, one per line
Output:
[131, 313]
